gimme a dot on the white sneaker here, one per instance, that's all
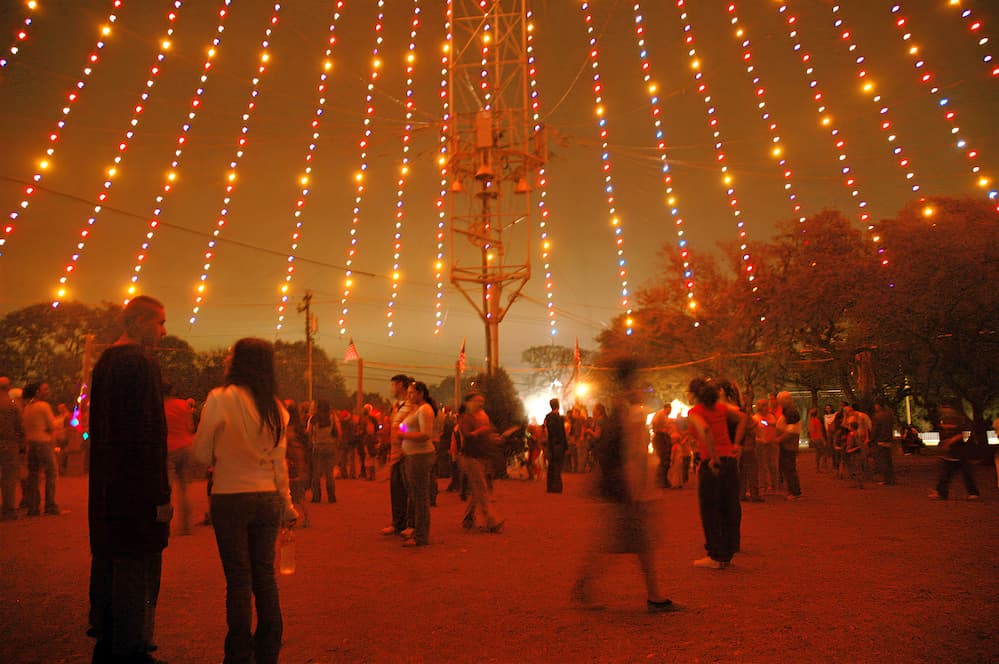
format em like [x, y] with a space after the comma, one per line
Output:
[709, 563]
[388, 530]
[407, 533]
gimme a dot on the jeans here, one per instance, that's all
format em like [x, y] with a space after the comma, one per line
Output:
[789, 471]
[246, 530]
[123, 595]
[179, 467]
[767, 462]
[398, 495]
[475, 471]
[721, 513]
[9, 474]
[663, 447]
[418, 467]
[556, 457]
[749, 475]
[886, 465]
[322, 470]
[947, 469]
[41, 459]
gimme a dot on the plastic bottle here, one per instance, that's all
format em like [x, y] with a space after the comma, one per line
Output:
[286, 556]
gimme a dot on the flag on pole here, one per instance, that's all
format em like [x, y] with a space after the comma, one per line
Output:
[461, 358]
[351, 353]
[577, 357]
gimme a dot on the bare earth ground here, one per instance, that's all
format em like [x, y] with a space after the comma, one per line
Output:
[844, 575]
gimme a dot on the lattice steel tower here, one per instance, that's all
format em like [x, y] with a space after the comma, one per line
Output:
[493, 155]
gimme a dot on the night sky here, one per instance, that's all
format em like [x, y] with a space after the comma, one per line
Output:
[249, 261]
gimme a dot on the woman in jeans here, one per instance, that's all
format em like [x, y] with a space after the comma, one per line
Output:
[417, 434]
[242, 434]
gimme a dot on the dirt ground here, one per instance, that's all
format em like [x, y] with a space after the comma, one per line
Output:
[844, 575]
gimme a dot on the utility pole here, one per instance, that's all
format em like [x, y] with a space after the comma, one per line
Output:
[306, 306]
[493, 152]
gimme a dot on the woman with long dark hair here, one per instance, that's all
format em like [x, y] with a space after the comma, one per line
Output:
[242, 433]
[417, 433]
[325, 434]
[718, 476]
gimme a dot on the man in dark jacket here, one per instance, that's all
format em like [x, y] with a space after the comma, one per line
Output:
[557, 446]
[129, 509]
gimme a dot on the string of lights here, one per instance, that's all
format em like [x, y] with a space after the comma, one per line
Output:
[702, 89]
[21, 35]
[114, 168]
[975, 27]
[778, 151]
[606, 166]
[826, 120]
[305, 179]
[868, 87]
[671, 198]
[231, 175]
[400, 194]
[928, 78]
[45, 163]
[442, 159]
[359, 176]
[487, 104]
[543, 211]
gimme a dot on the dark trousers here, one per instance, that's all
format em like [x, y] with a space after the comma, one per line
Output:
[246, 530]
[789, 470]
[661, 444]
[324, 457]
[123, 595]
[721, 513]
[886, 465]
[9, 473]
[397, 494]
[41, 460]
[947, 469]
[556, 457]
[749, 475]
[418, 468]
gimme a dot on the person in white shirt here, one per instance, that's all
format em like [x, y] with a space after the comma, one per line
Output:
[39, 425]
[242, 434]
[417, 433]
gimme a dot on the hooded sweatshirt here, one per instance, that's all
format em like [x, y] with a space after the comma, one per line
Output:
[230, 437]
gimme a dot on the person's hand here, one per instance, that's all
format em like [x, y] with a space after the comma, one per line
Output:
[164, 513]
[714, 464]
[290, 517]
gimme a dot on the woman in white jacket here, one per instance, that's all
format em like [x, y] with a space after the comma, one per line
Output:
[242, 434]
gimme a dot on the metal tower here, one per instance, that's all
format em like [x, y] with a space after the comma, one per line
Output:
[493, 153]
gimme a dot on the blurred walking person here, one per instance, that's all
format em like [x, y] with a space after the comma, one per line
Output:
[326, 435]
[180, 435]
[129, 509]
[788, 437]
[242, 433]
[622, 485]
[479, 441]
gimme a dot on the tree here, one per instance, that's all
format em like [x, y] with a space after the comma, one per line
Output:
[180, 366]
[503, 405]
[554, 364]
[933, 311]
[40, 343]
[292, 361]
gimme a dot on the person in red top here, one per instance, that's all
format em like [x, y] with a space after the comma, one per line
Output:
[718, 476]
[180, 434]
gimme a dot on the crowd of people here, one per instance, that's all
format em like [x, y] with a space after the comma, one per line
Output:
[264, 457]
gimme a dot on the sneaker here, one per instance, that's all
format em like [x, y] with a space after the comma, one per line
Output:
[582, 598]
[388, 530]
[410, 542]
[407, 533]
[662, 606]
[791, 496]
[498, 526]
[936, 496]
[709, 563]
[973, 496]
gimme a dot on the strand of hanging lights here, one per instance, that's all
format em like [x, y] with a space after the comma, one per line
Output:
[928, 78]
[778, 152]
[442, 159]
[869, 88]
[359, 176]
[21, 35]
[826, 120]
[487, 104]
[114, 169]
[542, 180]
[400, 194]
[975, 27]
[170, 178]
[697, 68]
[671, 198]
[305, 179]
[73, 96]
[231, 175]
[607, 168]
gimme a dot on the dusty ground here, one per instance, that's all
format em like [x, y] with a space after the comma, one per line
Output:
[844, 575]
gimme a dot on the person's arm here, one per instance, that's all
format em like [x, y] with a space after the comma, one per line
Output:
[701, 428]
